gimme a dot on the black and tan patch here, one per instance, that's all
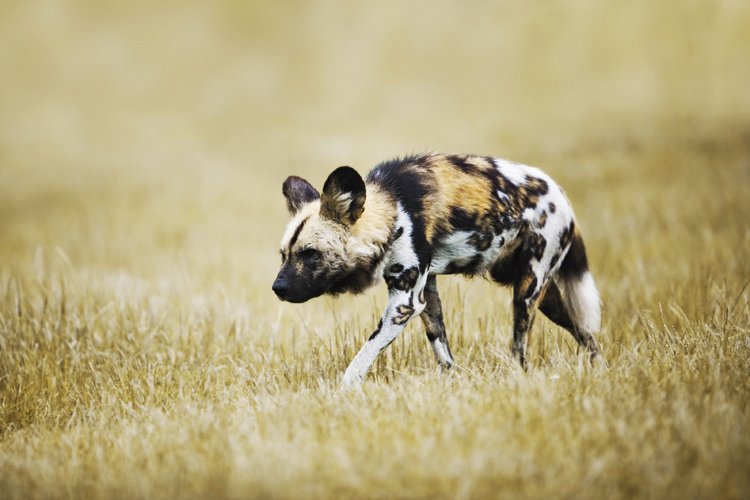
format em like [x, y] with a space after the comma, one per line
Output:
[377, 330]
[567, 235]
[526, 286]
[509, 208]
[553, 307]
[461, 220]
[576, 262]
[481, 241]
[469, 267]
[536, 244]
[403, 280]
[358, 278]
[536, 185]
[554, 260]
[542, 220]
[470, 164]
[297, 231]
[520, 197]
[460, 182]
[404, 313]
[508, 270]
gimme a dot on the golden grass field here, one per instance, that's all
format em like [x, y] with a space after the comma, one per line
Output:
[142, 150]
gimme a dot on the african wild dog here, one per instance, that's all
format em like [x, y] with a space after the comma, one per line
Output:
[421, 216]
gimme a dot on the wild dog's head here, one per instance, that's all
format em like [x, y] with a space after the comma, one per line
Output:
[314, 256]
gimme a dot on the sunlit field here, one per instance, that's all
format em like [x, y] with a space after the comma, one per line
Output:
[142, 151]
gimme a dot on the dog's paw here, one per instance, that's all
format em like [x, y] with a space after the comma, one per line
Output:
[350, 382]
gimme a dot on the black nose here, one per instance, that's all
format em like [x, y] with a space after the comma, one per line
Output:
[280, 288]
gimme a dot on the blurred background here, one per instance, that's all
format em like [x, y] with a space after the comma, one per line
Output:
[142, 150]
[135, 136]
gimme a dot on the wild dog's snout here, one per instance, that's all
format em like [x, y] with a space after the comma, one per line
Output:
[281, 288]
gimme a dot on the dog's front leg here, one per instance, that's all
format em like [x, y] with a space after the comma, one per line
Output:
[402, 306]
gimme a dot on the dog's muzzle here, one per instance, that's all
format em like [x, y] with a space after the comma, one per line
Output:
[281, 288]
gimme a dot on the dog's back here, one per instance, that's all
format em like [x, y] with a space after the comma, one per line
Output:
[470, 213]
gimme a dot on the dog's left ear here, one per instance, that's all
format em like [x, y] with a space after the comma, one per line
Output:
[298, 192]
[343, 198]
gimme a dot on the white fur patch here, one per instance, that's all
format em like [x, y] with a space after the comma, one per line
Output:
[517, 172]
[441, 352]
[582, 299]
[402, 250]
[454, 248]
[514, 172]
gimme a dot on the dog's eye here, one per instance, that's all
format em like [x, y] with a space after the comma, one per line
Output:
[309, 254]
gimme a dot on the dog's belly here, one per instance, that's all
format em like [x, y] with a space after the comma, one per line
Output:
[470, 253]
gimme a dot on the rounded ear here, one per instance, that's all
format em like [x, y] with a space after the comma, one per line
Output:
[343, 198]
[298, 192]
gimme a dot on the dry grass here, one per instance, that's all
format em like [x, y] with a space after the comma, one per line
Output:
[141, 155]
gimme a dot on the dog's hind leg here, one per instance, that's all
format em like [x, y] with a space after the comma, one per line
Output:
[432, 317]
[553, 307]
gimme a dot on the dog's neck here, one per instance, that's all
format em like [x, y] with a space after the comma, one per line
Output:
[367, 244]
[371, 234]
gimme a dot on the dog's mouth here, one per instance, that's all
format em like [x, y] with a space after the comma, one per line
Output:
[292, 295]
[295, 300]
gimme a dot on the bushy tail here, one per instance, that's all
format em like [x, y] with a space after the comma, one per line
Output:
[579, 290]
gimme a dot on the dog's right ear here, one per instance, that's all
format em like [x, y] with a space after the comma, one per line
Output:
[298, 192]
[343, 197]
